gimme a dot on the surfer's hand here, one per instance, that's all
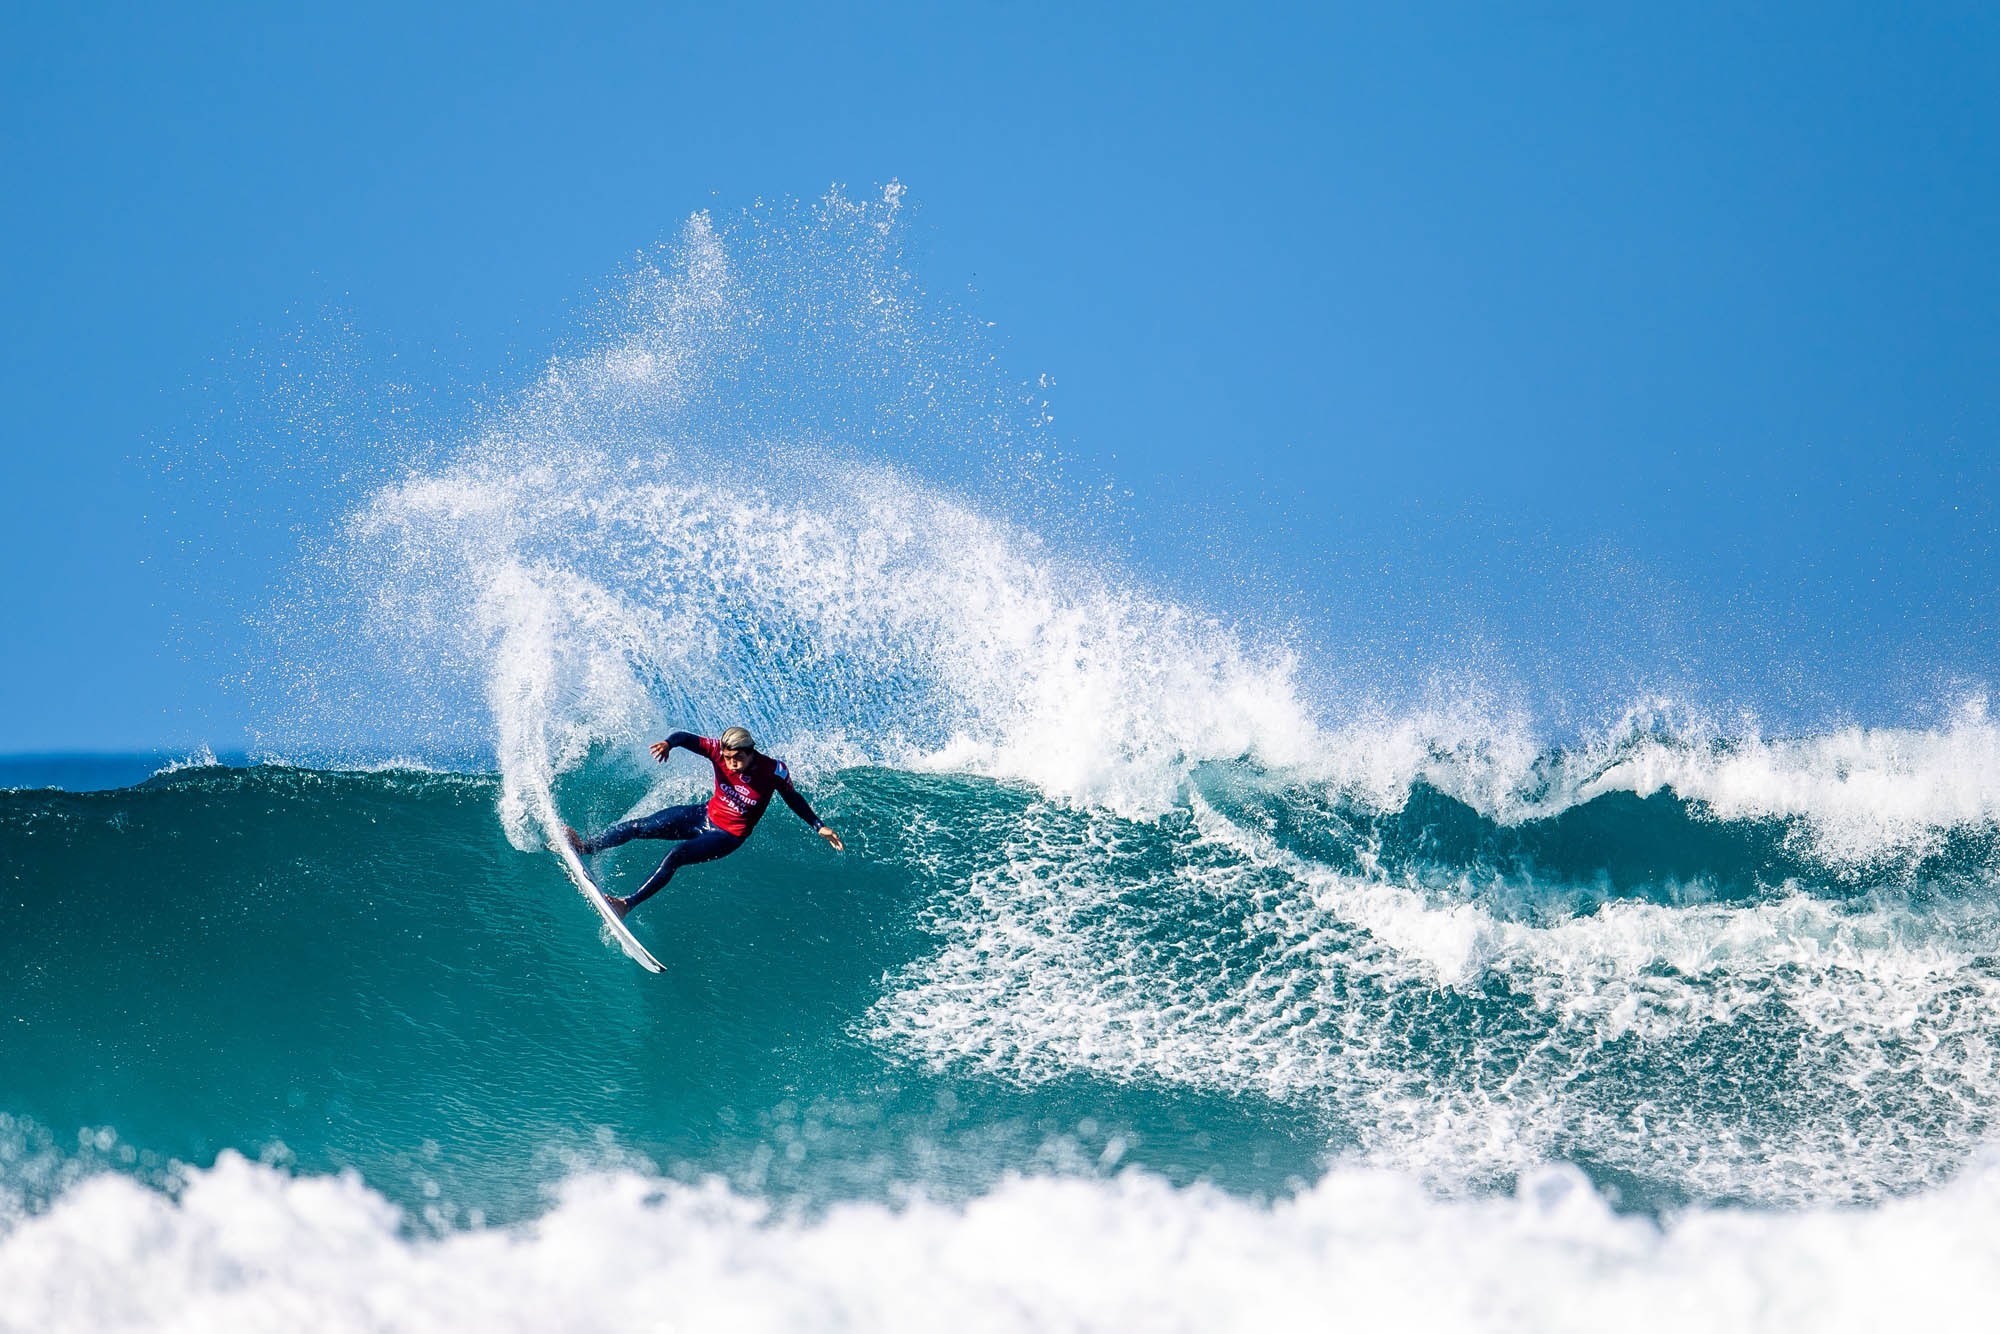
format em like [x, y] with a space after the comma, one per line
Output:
[660, 749]
[832, 838]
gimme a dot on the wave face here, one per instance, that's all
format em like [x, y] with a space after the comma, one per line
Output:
[359, 967]
[1154, 974]
[1283, 1026]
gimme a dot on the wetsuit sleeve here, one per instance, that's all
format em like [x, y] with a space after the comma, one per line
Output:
[700, 745]
[800, 806]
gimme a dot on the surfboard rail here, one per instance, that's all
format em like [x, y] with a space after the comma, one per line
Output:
[580, 876]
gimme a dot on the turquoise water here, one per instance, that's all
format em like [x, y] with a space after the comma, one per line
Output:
[357, 970]
[1253, 1000]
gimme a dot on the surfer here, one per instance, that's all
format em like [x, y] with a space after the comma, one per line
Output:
[744, 782]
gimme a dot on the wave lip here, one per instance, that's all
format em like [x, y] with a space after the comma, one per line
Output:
[1862, 793]
[1856, 797]
[776, 483]
[245, 1246]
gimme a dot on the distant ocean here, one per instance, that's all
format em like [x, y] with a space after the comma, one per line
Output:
[1154, 991]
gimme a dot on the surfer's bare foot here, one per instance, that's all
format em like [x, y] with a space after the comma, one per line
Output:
[575, 840]
[618, 906]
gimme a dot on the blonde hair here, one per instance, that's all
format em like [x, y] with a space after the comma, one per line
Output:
[738, 738]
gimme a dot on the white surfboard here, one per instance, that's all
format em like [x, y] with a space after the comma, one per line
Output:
[580, 875]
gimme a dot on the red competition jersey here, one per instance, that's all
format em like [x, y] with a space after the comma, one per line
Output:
[740, 800]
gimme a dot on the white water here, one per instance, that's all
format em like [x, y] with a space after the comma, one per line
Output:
[859, 616]
[778, 484]
[1791, 1049]
[248, 1248]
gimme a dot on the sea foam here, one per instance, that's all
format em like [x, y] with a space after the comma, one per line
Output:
[247, 1247]
[1783, 1050]
[776, 483]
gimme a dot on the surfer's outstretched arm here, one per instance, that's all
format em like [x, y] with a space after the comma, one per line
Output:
[803, 809]
[675, 740]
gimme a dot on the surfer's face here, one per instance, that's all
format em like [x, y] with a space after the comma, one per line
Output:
[736, 761]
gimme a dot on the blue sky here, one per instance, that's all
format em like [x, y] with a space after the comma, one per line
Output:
[1537, 312]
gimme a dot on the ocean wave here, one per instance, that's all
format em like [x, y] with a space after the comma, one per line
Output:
[1792, 1048]
[1794, 1040]
[857, 616]
[1103, 837]
[776, 484]
[243, 1246]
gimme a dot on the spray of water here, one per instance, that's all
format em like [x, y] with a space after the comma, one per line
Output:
[774, 487]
